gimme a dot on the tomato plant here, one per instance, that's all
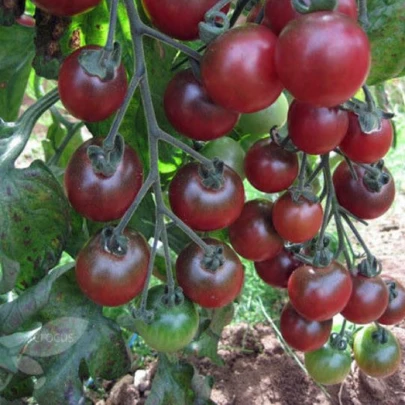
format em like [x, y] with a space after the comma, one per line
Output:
[66, 7]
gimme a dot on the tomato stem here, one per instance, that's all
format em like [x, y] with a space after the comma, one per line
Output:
[109, 46]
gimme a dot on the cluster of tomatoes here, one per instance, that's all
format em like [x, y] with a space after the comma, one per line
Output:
[321, 59]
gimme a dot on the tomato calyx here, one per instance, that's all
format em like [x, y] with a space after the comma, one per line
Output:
[113, 243]
[299, 194]
[212, 174]
[216, 23]
[284, 142]
[380, 334]
[338, 341]
[310, 6]
[375, 178]
[392, 289]
[369, 267]
[172, 296]
[213, 259]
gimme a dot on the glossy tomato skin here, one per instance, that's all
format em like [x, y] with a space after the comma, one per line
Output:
[302, 334]
[395, 311]
[95, 196]
[357, 198]
[374, 358]
[269, 167]
[202, 208]
[191, 112]
[238, 69]
[110, 279]
[307, 67]
[277, 270]
[89, 98]
[366, 148]
[368, 301]
[65, 8]
[316, 130]
[253, 235]
[173, 327]
[328, 365]
[178, 19]
[320, 293]
[209, 288]
[297, 221]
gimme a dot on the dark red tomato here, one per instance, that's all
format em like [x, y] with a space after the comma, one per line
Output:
[25, 20]
[203, 208]
[238, 69]
[253, 235]
[191, 112]
[277, 270]
[357, 198]
[66, 7]
[316, 130]
[270, 168]
[86, 97]
[368, 301]
[297, 221]
[279, 13]
[110, 279]
[178, 19]
[98, 197]
[204, 286]
[302, 334]
[395, 311]
[322, 58]
[366, 148]
[320, 293]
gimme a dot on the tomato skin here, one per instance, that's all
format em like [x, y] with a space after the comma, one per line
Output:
[86, 97]
[178, 19]
[112, 280]
[366, 148]
[374, 358]
[202, 208]
[66, 8]
[368, 301]
[277, 270]
[270, 168]
[320, 293]
[327, 365]
[207, 288]
[253, 235]
[191, 112]
[307, 67]
[238, 69]
[302, 334]
[316, 130]
[172, 328]
[95, 196]
[357, 198]
[297, 222]
[395, 311]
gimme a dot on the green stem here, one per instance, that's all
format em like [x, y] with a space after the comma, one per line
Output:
[109, 46]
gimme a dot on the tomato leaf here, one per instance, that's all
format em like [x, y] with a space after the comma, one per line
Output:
[9, 273]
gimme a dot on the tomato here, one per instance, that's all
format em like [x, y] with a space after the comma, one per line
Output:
[253, 235]
[260, 122]
[328, 365]
[316, 130]
[357, 198]
[203, 208]
[297, 221]
[86, 97]
[173, 327]
[368, 301]
[191, 112]
[96, 196]
[178, 19]
[113, 279]
[278, 13]
[277, 270]
[302, 334]
[26, 20]
[210, 288]
[373, 357]
[395, 311]
[66, 7]
[227, 150]
[320, 293]
[307, 67]
[238, 69]
[269, 167]
[366, 148]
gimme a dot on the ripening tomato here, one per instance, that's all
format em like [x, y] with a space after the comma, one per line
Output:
[65, 8]
[395, 311]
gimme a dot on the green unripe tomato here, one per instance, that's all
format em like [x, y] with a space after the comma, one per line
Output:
[260, 122]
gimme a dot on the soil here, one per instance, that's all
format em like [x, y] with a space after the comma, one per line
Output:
[258, 371]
